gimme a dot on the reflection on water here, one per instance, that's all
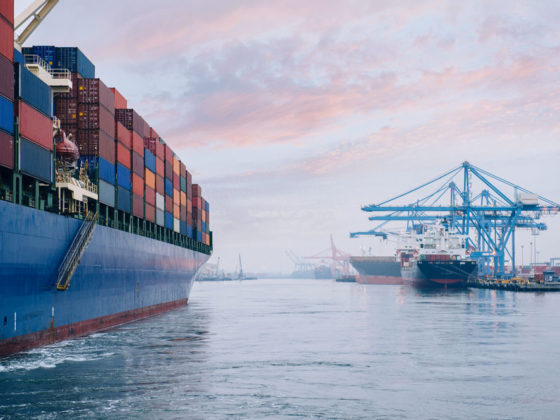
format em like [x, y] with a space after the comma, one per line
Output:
[312, 349]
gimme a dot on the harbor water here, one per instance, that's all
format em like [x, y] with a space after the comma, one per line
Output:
[305, 349]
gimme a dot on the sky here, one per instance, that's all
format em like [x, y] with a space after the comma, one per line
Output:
[292, 115]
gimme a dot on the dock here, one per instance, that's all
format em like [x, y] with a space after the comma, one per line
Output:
[516, 285]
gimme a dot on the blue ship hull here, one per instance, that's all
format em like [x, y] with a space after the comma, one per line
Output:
[121, 277]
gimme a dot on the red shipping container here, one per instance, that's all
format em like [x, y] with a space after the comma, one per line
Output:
[168, 204]
[137, 185]
[66, 109]
[168, 171]
[176, 211]
[123, 135]
[150, 144]
[183, 213]
[150, 196]
[95, 116]
[196, 190]
[189, 206]
[160, 185]
[94, 91]
[137, 144]
[176, 181]
[6, 150]
[120, 101]
[169, 155]
[137, 206]
[150, 213]
[137, 164]
[196, 202]
[7, 10]
[106, 146]
[160, 167]
[131, 120]
[123, 155]
[34, 126]
[153, 133]
[6, 38]
[6, 78]
[183, 169]
[160, 150]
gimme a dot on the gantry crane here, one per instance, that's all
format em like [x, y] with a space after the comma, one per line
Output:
[340, 261]
[488, 218]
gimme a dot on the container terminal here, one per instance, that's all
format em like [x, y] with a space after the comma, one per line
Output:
[100, 221]
[476, 214]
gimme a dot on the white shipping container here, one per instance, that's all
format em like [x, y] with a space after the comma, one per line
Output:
[160, 202]
[160, 217]
[177, 225]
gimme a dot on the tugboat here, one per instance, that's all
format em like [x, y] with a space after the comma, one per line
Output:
[436, 258]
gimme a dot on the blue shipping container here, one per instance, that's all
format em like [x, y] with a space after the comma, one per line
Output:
[46, 52]
[183, 184]
[123, 199]
[183, 228]
[106, 193]
[18, 57]
[7, 115]
[189, 231]
[199, 236]
[168, 187]
[32, 90]
[207, 206]
[35, 161]
[168, 220]
[203, 226]
[106, 171]
[123, 177]
[73, 59]
[149, 160]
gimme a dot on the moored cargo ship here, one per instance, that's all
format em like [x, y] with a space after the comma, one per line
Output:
[437, 259]
[377, 269]
[86, 243]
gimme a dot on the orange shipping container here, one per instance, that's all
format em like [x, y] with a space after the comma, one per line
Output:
[189, 206]
[176, 211]
[183, 199]
[123, 155]
[137, 185]
[176, 165]
[150, 179]
[176, 197]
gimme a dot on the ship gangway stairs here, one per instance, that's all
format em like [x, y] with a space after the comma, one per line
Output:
[75, 252]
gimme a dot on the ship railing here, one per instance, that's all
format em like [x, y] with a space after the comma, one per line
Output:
[57, 74]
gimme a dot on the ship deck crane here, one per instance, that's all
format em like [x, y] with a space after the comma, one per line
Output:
[489, 218]
[37, 12]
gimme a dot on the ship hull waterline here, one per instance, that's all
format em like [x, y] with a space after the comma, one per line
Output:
[122, 277]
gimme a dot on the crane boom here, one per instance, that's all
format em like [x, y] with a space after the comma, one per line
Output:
[38, 10]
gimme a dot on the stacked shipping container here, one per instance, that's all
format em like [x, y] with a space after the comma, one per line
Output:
[138, 173]
[6, 84]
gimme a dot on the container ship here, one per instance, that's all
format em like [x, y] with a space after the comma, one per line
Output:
[436, 258]
[100, 223]
[377, 270]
